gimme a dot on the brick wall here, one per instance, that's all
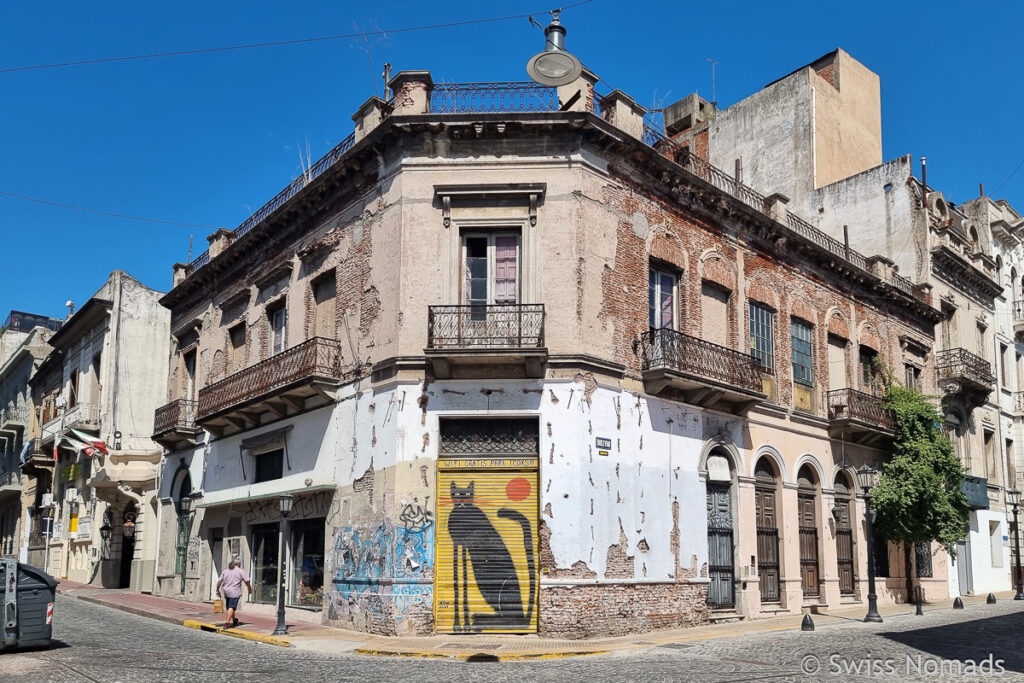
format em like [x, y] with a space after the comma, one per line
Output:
[618, 609]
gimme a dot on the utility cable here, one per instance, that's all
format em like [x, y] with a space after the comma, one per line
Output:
[105, 213]
[277, 43]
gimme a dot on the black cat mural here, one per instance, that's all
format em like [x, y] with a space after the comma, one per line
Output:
[495, 572]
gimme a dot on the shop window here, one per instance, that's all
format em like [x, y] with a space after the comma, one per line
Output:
[265, 539]
[269, 465]
[307, 573]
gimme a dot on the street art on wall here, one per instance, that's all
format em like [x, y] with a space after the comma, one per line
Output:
[382, 572]
[487, 550]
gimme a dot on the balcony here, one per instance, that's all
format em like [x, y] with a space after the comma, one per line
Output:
[508, 339]
[14, 418]
[82, 416]
[1018, 317]
[859, 417]
[281, 385]
[38, 456]
[10, 484]
[962, 373]
[174, 425]
[705, 374]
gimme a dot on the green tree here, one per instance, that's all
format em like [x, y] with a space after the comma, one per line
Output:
[918, 497]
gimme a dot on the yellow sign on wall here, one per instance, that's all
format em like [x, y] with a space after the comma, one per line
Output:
[486, 578]
[73, 523]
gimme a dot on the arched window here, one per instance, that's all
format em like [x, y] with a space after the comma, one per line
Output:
[1013, 284]
[999, 269]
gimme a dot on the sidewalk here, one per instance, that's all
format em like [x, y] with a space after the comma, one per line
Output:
[490, 647]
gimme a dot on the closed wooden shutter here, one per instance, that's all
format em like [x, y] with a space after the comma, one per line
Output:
[714, 314]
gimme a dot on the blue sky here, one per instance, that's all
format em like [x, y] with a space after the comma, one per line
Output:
[206, 138]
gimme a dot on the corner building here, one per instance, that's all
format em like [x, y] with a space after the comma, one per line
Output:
[524, 372]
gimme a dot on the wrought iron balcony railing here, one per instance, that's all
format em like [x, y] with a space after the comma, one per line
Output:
[14, 415]
[82, 414]
[850, 404]
[313, 358]
[961, 364]
[10, 478]
[672, 350]
[510, 96]
[494, 326]
[176, 415]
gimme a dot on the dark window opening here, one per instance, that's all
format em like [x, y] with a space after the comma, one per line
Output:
[269, 465]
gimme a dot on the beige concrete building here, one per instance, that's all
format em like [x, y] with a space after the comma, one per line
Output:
[113, 372]
[524, 365]
[815, 136]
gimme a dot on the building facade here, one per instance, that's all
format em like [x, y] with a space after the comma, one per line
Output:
[111, 356]
[815, 136]
[528, 368]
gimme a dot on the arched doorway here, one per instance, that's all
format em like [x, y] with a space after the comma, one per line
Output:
[184, 527]
[128, 519]
[721, 569]
[765, 511]
[844, 534]
[807, 511]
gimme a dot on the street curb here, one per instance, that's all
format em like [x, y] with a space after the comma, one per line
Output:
[235, 633]
[477, 656]
[124, 608]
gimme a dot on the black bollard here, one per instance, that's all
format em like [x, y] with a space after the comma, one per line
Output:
[807, 624]
[991, 599]
[958, 603]
[919, 610]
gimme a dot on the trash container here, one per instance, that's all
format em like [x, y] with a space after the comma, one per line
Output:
[27, 594]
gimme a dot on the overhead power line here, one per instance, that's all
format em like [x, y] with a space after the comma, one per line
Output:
[278, 43]
[105, 213]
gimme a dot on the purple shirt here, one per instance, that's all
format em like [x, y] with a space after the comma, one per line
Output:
[231, 581]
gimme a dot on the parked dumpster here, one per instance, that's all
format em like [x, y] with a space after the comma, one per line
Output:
[27, 595]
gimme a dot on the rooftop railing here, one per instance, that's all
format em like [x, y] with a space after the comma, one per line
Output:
[673, 350]
[316, 357]
[508, 96]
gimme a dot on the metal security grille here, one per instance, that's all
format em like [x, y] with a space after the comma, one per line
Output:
[762, 335]
[474, 438]
[720, 547]
[803, 360]
[923, 560]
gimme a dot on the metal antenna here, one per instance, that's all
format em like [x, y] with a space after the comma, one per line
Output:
[714, 93]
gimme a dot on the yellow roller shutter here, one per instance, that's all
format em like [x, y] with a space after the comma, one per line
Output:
[487, 546]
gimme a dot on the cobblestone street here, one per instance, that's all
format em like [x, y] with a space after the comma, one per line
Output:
[100, 644]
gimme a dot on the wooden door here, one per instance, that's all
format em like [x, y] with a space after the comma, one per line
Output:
[767, 544]
[808, 544]
[844, 548]
[720, 546]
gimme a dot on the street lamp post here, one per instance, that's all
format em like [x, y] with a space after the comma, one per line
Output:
[867, 478]
[1013, 498]
[285, 502]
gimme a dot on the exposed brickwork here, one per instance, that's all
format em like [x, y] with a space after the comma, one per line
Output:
[618, 609]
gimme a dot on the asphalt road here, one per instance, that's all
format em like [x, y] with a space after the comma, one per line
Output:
[94, 643]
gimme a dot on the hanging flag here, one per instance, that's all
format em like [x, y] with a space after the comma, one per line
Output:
[97, 444]
[24, 450]
[56, 442]
[79, 445]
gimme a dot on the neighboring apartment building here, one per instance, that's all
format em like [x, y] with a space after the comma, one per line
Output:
[522, 371]
[23, 345]
[815, 136]
[113, 373]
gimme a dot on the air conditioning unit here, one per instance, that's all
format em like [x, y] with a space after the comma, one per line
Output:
[70, 494]
[47, 500]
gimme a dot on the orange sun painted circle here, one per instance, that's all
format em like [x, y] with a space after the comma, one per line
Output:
[517, 489]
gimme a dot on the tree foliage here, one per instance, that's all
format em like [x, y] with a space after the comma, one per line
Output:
[918, 497]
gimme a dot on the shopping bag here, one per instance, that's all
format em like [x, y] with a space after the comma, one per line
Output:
[218, 606]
